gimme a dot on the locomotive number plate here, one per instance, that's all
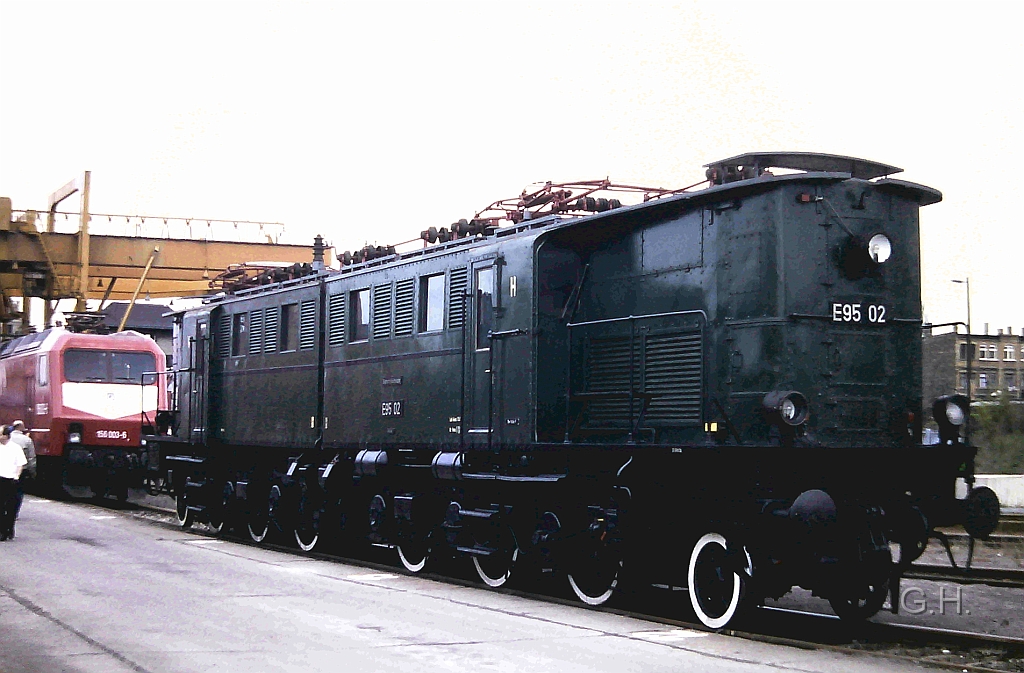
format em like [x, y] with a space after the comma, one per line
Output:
[111, 434]
[871, 314]
[392, 408]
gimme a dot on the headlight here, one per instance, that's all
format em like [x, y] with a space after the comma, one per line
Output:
[879, 248]
[950, 412]
[75, 438]
[786, 407]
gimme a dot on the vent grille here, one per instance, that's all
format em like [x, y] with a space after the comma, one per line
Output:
[404, 295]
[457, 298]
[223, 336]
[307, 325]
[672, 371]
[336, 320]
[256, 332]
[608, 362]
[270, 328]
[382, 311]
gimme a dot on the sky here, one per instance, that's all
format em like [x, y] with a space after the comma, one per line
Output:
[368, 122]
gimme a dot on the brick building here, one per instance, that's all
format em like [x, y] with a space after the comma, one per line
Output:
[997, 364]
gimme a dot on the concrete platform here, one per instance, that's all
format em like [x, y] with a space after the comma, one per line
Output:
[88, 589]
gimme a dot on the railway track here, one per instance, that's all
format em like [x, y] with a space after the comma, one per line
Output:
[943, 648]
[993, 577]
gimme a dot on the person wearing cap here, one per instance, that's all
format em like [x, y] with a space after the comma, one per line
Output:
[19, 435]
[12, 461]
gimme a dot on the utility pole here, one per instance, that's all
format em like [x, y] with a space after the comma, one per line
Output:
[970, 353]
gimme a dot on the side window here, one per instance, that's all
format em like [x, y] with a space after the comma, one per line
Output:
[432, 303]
[289, 327]
[238, 333]
[359, 315]
[43, 370]
[484, 306]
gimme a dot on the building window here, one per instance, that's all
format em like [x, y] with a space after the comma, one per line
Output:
[238, 333]
[1008, 352]
[289, 326]
[963, 351]
[963, 380]
[432, 303]
[988, 352]
[359, 315]
[983, 381]
[1009, 379]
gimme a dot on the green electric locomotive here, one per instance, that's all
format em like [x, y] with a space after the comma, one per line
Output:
[717, 388]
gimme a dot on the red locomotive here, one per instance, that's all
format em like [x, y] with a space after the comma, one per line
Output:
[85, 398]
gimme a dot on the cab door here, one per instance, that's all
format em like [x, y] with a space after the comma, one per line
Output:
[481, 361]
[198, 408]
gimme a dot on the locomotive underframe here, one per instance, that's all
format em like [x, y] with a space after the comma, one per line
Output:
[586, 509]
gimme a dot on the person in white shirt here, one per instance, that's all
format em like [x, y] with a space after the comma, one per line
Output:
[19, 435]
[12, 461]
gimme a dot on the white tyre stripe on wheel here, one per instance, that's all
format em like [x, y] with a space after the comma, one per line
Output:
[711, 622]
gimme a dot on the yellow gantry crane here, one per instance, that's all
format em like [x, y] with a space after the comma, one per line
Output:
[37, 261]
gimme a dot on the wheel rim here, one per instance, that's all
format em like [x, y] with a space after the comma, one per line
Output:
[219, 510]
[182, 511]
[259, 524]
[413, 556]
[494, 570]
[307, 533]
[307, 529]
[595, 586]
[306, 540]
[258, 530]
[714, 591]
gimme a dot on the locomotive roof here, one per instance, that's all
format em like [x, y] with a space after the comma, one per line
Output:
[814, 165]
[809, 161]
[36, 340]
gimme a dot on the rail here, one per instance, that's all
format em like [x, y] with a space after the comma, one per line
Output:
[993, 577]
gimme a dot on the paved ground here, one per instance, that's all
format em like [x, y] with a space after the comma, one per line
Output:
[88, 589]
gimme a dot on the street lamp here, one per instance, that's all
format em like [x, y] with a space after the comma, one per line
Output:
[970, 350]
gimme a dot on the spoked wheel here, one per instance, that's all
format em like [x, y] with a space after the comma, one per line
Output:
[263, 518]
[413, 551]
[218, 510]
[185, 516]
[857, 609]
[595, 576]
[495, 568]
[258, 528]
[307, 524]
[716, 590]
